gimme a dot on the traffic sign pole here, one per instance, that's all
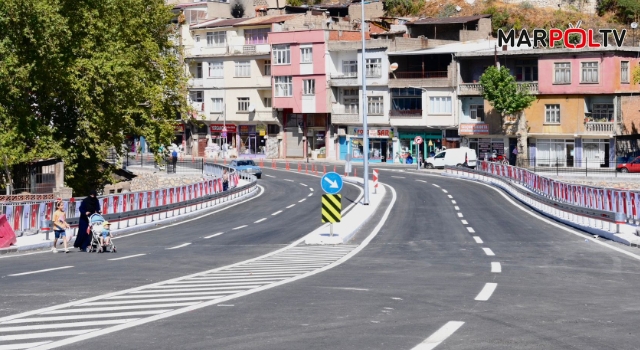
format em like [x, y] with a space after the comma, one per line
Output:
[418, 141]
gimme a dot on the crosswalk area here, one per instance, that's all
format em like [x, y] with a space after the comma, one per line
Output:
[60, 325]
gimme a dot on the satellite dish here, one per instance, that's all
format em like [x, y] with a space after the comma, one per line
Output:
[634, 25]
[393, 66]
[252, 108]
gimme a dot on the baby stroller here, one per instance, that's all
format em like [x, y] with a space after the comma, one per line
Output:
[95, 226]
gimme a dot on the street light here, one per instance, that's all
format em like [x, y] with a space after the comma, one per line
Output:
[365, 131]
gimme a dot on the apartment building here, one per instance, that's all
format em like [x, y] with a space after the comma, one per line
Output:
[584, 100]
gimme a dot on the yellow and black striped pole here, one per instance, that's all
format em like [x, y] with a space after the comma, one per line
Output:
[331, 209]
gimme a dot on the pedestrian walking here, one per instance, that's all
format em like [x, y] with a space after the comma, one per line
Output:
[174, 160]
[89, 206]
[60, 226]
[225, 180]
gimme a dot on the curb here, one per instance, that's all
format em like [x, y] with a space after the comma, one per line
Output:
[116, 233]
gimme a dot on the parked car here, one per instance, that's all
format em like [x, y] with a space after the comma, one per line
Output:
[630, 167]
[463, 156]
[246, 166]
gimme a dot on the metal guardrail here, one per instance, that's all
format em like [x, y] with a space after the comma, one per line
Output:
[602, 215]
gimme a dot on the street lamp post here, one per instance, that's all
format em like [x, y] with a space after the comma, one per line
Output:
[365, 132]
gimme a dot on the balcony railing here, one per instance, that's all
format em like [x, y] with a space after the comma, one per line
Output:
[599, 127]
[406, 113]
[198, 106]
[419, 75]
[196, 82]
[341, 109]
[343, 75]
[476, 88]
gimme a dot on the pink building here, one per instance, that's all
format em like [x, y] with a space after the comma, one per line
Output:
[300, 90]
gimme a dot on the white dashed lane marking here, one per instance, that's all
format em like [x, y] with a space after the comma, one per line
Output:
[288, 180]
[465, 222]
[496, 267]
[179, 246]
[291, 206]
[460, 215]
[422, 181]
[39, 271]
[276, 213]
[127, 257]
[471, 230]
[450, 196]
[302, 200]
[214, 235]
[456, 208]
[311, 189]
[436, 185]
[486, 292]
[310, 194]
[261, 220]
[305, 185]
[478, 239]
[239, 227]
[439, 336]
[453, 202]
[399, 177]
[445, 191]
[269, 175]
[488, 251]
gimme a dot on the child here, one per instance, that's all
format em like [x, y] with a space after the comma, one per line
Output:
[106, 234]
[59, 226]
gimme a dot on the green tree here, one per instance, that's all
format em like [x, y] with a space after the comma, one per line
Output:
[76, 77]
[508, 98]
[636, 75]
[404, 7]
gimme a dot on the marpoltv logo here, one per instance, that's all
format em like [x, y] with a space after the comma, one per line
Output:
[550, 38]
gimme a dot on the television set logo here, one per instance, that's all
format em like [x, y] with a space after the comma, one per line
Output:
[573, 37]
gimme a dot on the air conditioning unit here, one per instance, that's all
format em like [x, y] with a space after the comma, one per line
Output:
[342, 131]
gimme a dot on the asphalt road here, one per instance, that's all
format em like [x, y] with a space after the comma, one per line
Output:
[432, 265]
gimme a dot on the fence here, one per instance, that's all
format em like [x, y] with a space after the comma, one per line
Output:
[586, 167]
[129, 209]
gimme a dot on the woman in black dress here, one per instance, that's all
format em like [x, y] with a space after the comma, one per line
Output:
[89, 206]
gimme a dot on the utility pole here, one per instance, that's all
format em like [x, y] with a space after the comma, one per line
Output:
[365, 131]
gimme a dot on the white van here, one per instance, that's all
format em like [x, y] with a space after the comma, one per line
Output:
[453, 157]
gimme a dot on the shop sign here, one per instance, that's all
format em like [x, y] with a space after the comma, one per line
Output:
[217, 128]
[178, 128]
[262, 129]
[247, 129]
[474, 129]
[375, 132]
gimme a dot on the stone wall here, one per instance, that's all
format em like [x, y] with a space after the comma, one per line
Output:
[148, 182]
[630, 113]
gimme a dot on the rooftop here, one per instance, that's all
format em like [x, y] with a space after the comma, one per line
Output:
[255, 21]
[218, 23]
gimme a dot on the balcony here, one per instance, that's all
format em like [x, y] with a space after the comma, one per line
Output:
[228, 50]
[340, 79]
[475, 89]
[342, 115]
[196, 82]
[600, 128]
[406, 113]
[426, 79]
[198, 106]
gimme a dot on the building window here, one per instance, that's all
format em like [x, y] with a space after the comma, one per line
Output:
[216, 105]
[375, 105]
[306, 55]
[267, 102]
[267, 67]
[350, 68]
[308, 87]
[198, 72]
[196, 96]
[624, 71]
[284, 86]
[526, 70]
[476, 112]
[552, 114]
[281, 54]
[216, 39]
[256, 36]
[602, 112]
[562, 73]
[374, 67]
[350, 101]
[243, 104]
[408, 99]
[215, 70]
[440, 105]
[243, 69]
[589, 72]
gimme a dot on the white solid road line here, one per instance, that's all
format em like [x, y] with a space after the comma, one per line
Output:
[261, 220]
[422, 181]
[276, 213]
[456, 208]
[179, 246]
[287, 180]
[302, 200]
[496, 267]
[450, 196]
[488, 251]
[291, 206]
[436, 185]
[127, 257]
[471, 230]
[45, 270]
[66, 325]
[439, 336]
[478, 239]
[214, 235]
[465, 222]
[23, 345]
[305, 185]
[460, 215]
[445, 191]
[239, 227]
[86, 316]
[45, 334]
[486, 292]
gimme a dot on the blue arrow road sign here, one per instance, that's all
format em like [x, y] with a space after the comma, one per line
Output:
[331, 183]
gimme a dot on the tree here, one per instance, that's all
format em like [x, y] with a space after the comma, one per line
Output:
[76, 77]
[404, 7]
[502, 92]
[636, 75]
[237, 10]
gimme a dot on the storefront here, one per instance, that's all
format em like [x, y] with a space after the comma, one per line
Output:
[305, 130]
[476, 136]
[554, 152]
[380, 144]
[316, 134]
[218, 138]
[432, 142]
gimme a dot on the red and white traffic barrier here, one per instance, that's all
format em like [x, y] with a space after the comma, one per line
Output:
[375, 180]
